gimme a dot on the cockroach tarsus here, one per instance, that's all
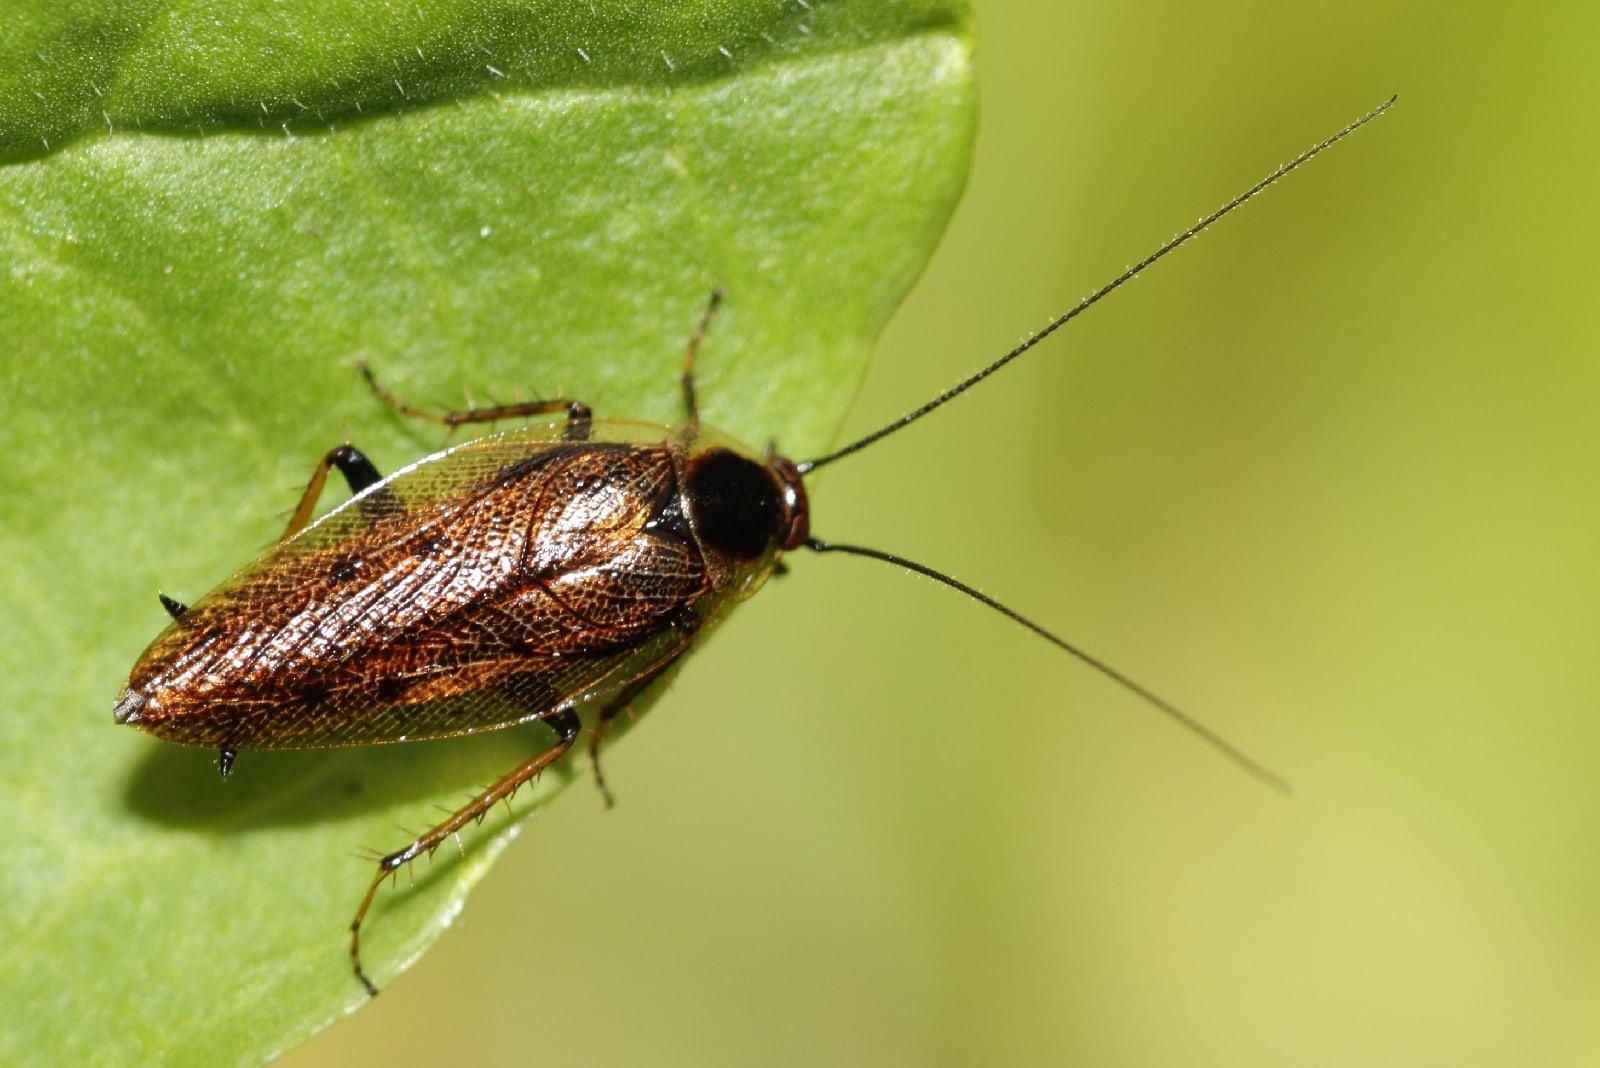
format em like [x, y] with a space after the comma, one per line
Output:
[521, 576]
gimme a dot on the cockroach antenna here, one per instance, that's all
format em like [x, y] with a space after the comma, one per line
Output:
[808, 466]
[1211, 737]
[1188, 722]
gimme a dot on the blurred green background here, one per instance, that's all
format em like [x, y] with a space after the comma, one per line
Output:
[1325, 478]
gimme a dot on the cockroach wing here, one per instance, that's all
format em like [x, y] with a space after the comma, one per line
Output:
[526, 690]
[494, 583]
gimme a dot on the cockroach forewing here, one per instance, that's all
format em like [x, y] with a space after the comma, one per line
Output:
[407, 612]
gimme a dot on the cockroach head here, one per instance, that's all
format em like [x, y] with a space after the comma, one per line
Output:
[745, 508]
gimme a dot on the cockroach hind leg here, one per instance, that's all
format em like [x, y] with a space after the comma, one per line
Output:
[225, 757]
[566, 725]
[175, 608]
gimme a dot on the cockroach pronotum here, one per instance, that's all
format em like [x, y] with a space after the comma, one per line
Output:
[525, 575]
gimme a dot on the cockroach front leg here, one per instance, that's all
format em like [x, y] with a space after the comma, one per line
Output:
[566, 726]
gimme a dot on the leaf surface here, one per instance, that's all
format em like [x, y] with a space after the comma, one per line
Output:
[208, 215]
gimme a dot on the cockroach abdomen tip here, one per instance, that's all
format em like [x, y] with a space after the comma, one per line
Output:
[128, 706]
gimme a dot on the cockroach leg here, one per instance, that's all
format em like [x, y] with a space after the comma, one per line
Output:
[566, 725]
[690, 408]
[615, 707]
[174, 608]
[357, 471]
[594, 759]
[578, 413]
[225, 757]
[579, 421]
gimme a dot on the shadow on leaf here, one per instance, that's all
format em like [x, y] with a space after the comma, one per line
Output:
[179, 786]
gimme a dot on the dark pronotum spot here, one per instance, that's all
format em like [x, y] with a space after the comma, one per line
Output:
[345, 570]
[737, 503]
[667, 519]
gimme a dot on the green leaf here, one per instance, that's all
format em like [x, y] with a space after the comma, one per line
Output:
[208, 214]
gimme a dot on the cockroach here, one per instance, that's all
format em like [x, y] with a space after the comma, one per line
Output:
[525, 575]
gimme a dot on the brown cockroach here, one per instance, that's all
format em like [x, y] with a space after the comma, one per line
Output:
[521, 576]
